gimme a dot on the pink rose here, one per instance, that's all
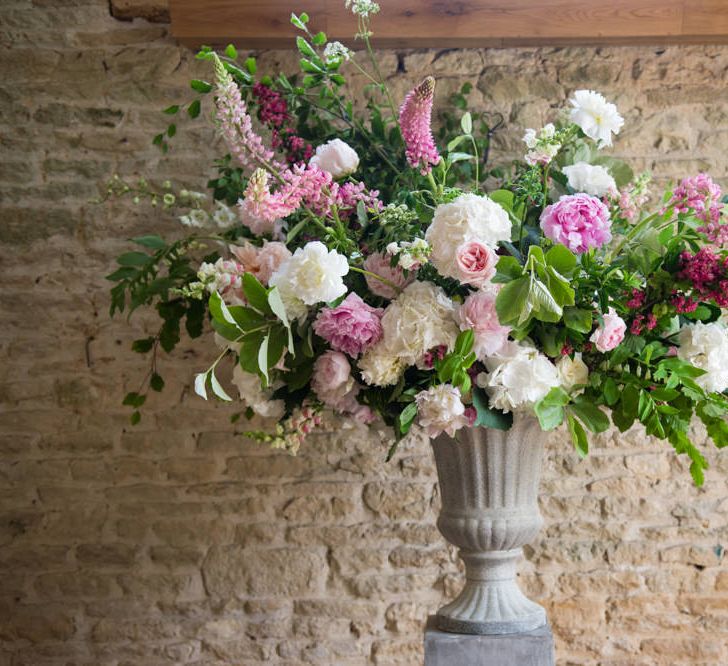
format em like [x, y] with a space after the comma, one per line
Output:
[610, 334]
[380, 265]
[352, 327]
[479, 313]
[578, 221]
[270, 257]
[332, 380]
[476, 262]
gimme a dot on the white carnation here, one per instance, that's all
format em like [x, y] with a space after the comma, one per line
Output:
[253, 395]
[469, 217]
[336, 157]
[596, 117]
[518, 377]
[312, 275]
[706, 347]
[440, 409]
[590, 179]
[572, 372]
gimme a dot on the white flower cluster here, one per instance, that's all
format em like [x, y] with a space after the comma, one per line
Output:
[469, 217]
[706, 347]
[542, 145]
[223, 217]
[336, 52]
[410, 254]
[596, 117]
[590, 179]
[363, 8]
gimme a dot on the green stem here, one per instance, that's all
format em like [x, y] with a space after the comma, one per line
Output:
[376, 277]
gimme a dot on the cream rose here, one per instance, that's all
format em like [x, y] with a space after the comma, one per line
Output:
[336, 157]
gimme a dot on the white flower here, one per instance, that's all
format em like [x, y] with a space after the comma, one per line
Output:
[225, 277]
[380, 366]
[706, 347]
[336, 52]
[312, 275]
[254, 396]
[440, 409]
[469, 217]
[224, 217]
[410, 254]
[336, 157]
[362, 7]
[542, 147]
[590, 179]
[572, 372]
[195, 218]
[596, 117]
[518, 377]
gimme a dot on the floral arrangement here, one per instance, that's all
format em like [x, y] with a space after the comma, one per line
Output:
[349, 262]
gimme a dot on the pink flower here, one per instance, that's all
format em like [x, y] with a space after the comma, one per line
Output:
[332, 380]
[479, 314]
[611, 333]
[352, 327]
[270, 257]
[475, 262]
[414, 119]
[700, 195]
[578, 221]
[380, 265]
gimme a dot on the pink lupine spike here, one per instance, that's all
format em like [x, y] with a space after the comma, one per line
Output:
[415, 116]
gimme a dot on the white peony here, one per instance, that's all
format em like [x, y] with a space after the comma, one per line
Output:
[253, 395]
[706, 347]
[572, 372]
[336, 157]
[380, 366]
[469, 217]
[590, 179]
[312, 275]
[518, 377]
[596, 117]
[440, 409]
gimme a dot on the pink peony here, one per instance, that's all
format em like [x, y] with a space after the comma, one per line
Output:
[611, 333]
[352, 327]
[414, 120]
[475, 262]
[332, 380]
[379, 264]
[270, 257]
[478, 313]
[578, 221]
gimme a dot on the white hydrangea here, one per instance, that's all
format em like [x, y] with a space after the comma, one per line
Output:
[253, 395]
[380, 366]
[312, 275]
[706, 347]
[337, 157]
[440, 409]
[572, 371]
[518, 377]
[596, 117]
[469, 217]
[590, 179]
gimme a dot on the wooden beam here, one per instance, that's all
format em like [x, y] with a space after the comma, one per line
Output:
[457, 23]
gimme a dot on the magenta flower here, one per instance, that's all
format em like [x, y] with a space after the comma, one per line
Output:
[578, 221]
[414, 120]
[352, 327]
[700, 195]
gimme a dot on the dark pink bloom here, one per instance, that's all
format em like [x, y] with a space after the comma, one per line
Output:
[578, 221]
[351, 327]
[701, 196]
[415, 116]
[637, 300]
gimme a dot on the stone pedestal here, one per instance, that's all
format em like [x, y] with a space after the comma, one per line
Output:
[532, 648]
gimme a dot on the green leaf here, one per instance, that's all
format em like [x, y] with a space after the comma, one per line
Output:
[263, 358]
[305, 48]
[231, 52]
[406, 418]
[487, 416]
[156, 382]
[171, 130]
[561, 259]
[154, 242]
[217, 388]
[276, 305]
[200, 86]
[458, 157]
[193, 110]
[135, 417]
[455, 143]
[133, 259]
[543, 305]
[255, 293]
[504, 198]
[550, 409]
[143, 345]
[559, 287]
[590, 415]
[171, 110]
[123, 273]
[466, 123]
[512, 303]
[578, 319]
[578, 437]
[611, 392]
[201, 384]
[319, 38]
[219, 310]
[464, 342]
[134, 399]
[507, 269]
[227, 331]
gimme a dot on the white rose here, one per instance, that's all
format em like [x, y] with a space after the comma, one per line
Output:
[596, 117]
[336, 157]
[572, 372]
[469, 217]
[312, 275]
[253, 395]
[440, 409]
[518, 377]
[706, 347]
[590, 179]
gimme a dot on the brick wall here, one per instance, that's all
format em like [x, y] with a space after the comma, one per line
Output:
[177, 542]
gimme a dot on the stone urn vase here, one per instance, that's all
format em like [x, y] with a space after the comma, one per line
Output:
[489, 487]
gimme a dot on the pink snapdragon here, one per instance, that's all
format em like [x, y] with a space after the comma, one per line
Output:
[380, 264]
[479, 314]
[351, 327]
[578, 221]
[609, 335]
[475, 262]
[415, 116]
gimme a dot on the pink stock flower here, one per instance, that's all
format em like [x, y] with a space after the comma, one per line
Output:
[414, 119]
[578, 221]
[352, 327]
[610, 334]
[475, 263]
[380, 265]
[478, 313]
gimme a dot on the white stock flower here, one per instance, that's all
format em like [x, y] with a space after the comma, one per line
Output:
[469, 217]
[336, 157]
[312, 275]
[590, 179]
[440, 409]
[572, 372]
[706, 347]
[518, 377]
[596, 117]
[253, 395]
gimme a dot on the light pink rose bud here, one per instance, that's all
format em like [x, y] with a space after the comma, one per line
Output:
[476, 263]
[611, 333]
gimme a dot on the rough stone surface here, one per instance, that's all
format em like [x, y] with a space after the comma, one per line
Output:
[176, 542]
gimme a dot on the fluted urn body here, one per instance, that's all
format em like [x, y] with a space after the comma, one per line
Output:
[489, 487]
